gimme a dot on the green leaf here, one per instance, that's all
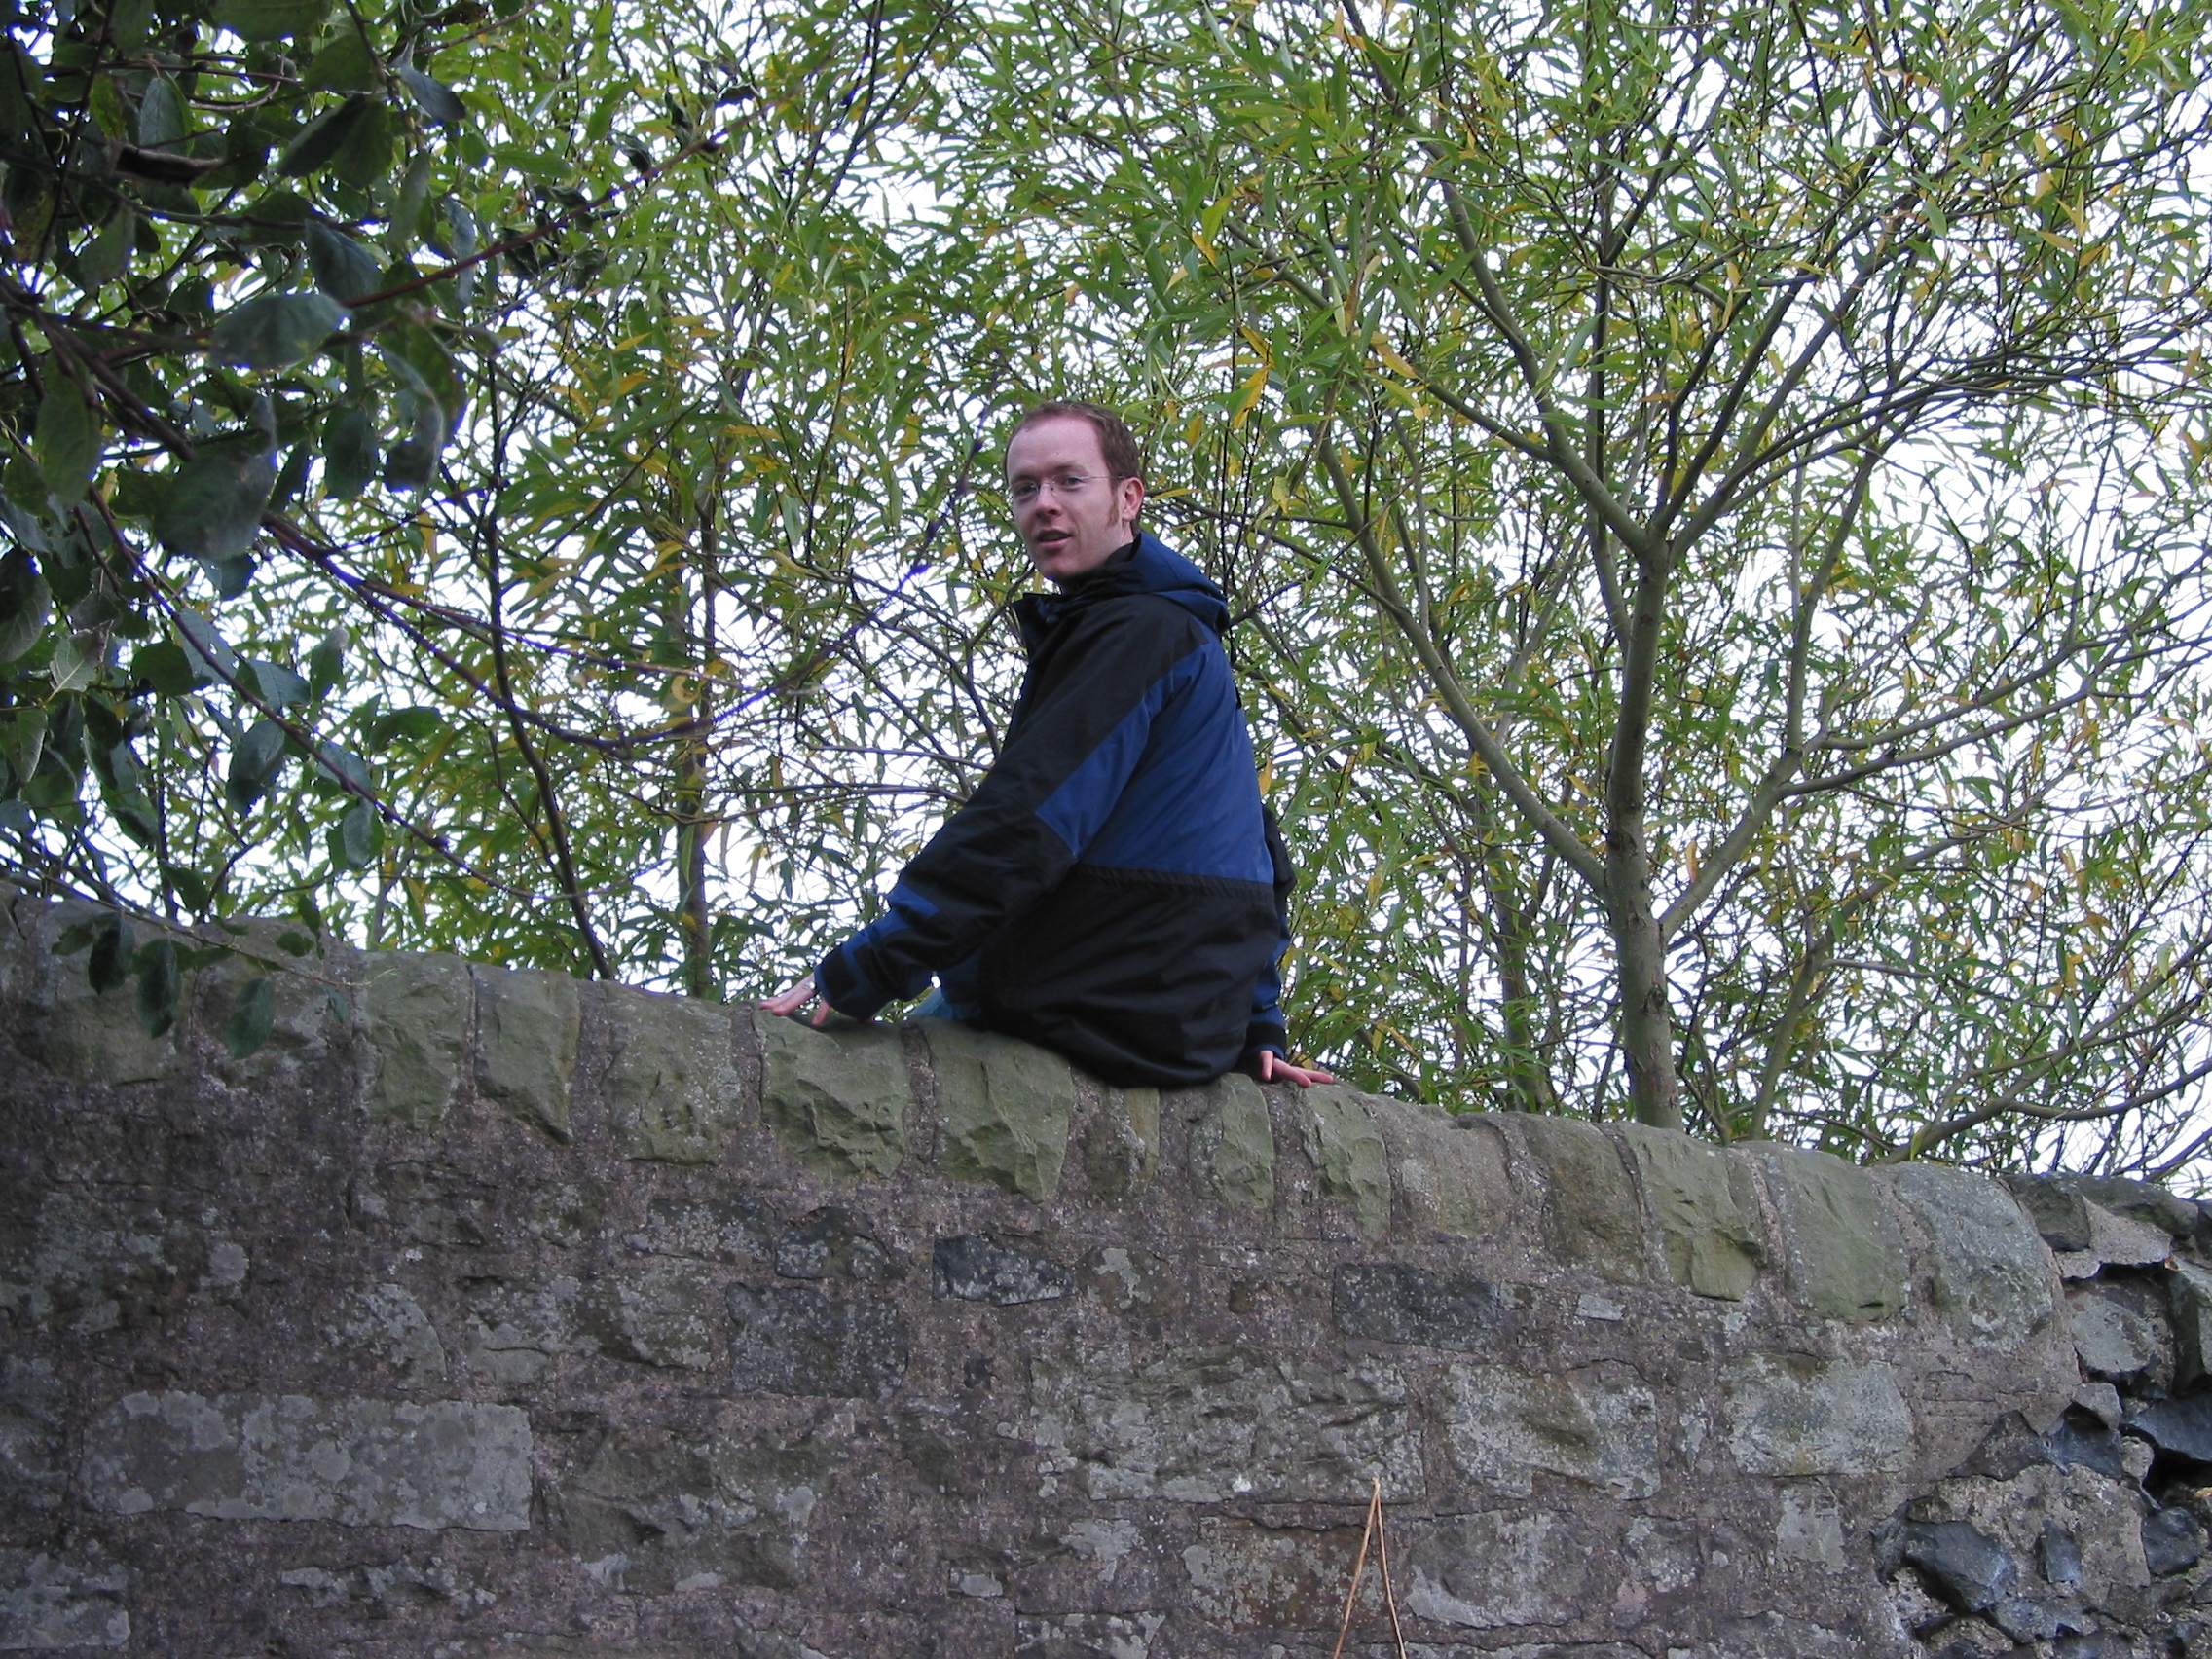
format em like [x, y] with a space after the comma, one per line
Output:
[293, 942]
[343, 268]
[435, 98]
[350, 455]
[252, 1015]
[25, 602]
[109, 964]
[161, 119]
[74, 937]
[364, 160]
[345, 65]
[255, 761]
[312, 147]
[343, 763]
[416, 722]
[205, 648]
[275, 685]
[68, 438]
[191, 886]
[164, 667]
[270, 19]
[327, 663]
[275, 330]
[123, 786]
[108, 255]
[212, 511]
[161, 977]
[77, 660]
[356, 839]
[293, 476]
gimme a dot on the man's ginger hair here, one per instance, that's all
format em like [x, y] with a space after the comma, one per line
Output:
[1114, 439]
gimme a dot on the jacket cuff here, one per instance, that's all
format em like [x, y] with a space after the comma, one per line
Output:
[844, 988]
[1266, 1034]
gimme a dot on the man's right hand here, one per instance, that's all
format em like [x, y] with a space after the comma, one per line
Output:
[789, 1002]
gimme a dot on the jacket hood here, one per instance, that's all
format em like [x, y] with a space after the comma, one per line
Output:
[1147, 565]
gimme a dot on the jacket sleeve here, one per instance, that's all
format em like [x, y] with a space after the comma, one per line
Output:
[1080, 734]
[1267, 1030]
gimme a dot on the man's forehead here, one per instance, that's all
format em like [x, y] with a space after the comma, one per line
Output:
[1053, 442]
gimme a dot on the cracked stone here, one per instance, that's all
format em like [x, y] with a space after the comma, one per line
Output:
[671, 1086]
[971, 1269]
[664, 1311]
[1232, 1146]
[1844, 1257]
[2139, 1200]
[416, 1006]
[2189, 1305]
[385, 1321]
[1388, 1301]
[1005, 1107]
[2023, 1620]
[1248, 1577]
[1965, 1565]
[836, 1101]
[2114, 1340]
[2059, 1558]
[528, 1022]
[793, 1340]
[1120, 1147]
[732, 1227]
[2181, 1425]
[1990, 1280]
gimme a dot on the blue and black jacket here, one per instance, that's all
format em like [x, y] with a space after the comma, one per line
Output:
[1114, 888]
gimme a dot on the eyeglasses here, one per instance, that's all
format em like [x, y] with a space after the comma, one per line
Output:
[1022, 491]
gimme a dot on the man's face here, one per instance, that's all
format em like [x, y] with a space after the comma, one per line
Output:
[1077, 517]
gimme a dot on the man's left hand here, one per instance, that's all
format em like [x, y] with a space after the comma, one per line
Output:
[789, 1002]
[1274, 1068]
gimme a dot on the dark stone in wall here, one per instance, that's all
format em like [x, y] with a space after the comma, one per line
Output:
[2183, 1426]
[834, 1243]
[2173, 1541]
[2058, 1556]
[1968, 1568]
[790, 1340]
[2057, 1209]
[1389, 1302]
[970, 1269]
[2178, 1216]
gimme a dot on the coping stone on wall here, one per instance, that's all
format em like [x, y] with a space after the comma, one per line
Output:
[1120, 1144]
[311, 999]
[1004, 1109]
[1232, 1144]
[360, 1462]
[1991, 1278]
[1703, 1204]
[671, 1086]
[66, 1026]
[417, 1006]
[1846, 1259]
[1338, 1130]
[836, 1100]
[528, 1023]
[1596, 1220]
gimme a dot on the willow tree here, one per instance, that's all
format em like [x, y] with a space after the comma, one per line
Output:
[1720, 486]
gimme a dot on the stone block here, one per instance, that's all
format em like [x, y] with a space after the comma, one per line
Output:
[527, 1021]
[2189, 1302]
[286, 1457]
[2116, 1241]
[1232, 1146]
[1792, 1416]
[836, 1101]
[1595, 1219]
[1845, 1257]
[1598, 1425]
[1991, 1278]
[1451, 1169]
[1245, 1577]
[1088, 1636]
[1344, 1142]
[834, 1243]
[32, 1403]
[729, 1227]
[1121, 1145]
[1388, 1301]
[1810, 1527]
[655, 1512]
[515, 1331]
[417, 1006]
[2139, 1200]
[1226, 1424]
[970, 1269]
[72, 1030]
[1705, 1208]
[2054, 1203]
[2119, 1338]
[665, 1312]
[671, 1084]
[795, 1340]
[99, 1260]
[1500, 1570]
[1004, 1109]
[386, 1323]
[69, 1597]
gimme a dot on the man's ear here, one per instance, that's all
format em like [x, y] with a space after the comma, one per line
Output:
[1132, 497]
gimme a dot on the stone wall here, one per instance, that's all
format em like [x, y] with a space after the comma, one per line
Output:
[485, 1313]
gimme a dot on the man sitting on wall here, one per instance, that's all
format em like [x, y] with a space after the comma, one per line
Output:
[1115, 889]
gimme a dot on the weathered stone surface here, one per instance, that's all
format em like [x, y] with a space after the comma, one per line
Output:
[836, 1101]
[2173, 1541]
[1121, 1146]
[1594, 1212]
[671, 1086]
[1810, 1527]
[1217, 1424]
[1703, 1204]
[2116, 1241]
[971, 1269]
[98, 1260]
[1247, 1577]
[1232, 1146]
[63, 1024]
[2183, 1426]
[1600, 1425]
[1789, 1414]
[2054, 1203]
[417, 1006]
[385, 1322]
[664, 1311]
[32, 1401]
[515, 1331]
[310, 992]
[68, 1599]
[1090, 1635]
[528, 1022]
[655, 1511]
[2189, 1302]
[1991, 1281]
[1388, 1301]
[1845, 1258]
[287, 1457]
[730, 1227]
[2139, 1200]
[1451, 1169]
[1491, 1570]
[1344, 1142]
[1969, 1570]
[793, 1340]
[832, 1243]
[1003, 1107]
[2115, 1340]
